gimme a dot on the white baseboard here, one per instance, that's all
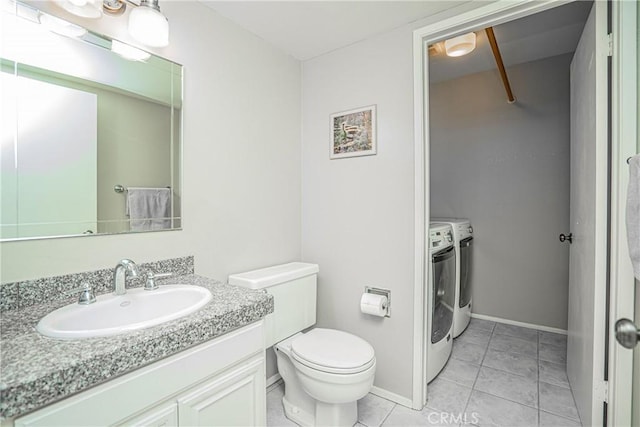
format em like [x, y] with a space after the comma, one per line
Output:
[523, 324]
[391, 396]
[273, 382]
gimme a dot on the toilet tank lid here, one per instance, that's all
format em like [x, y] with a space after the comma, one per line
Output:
[270, 276]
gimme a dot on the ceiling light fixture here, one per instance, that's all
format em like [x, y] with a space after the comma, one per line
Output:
[148, 25]
[460, 45]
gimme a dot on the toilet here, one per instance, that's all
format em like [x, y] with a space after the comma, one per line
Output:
[325, 371]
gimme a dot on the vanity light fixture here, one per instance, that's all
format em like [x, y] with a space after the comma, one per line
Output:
[82, 8]
[147, 24]
[129, 52]
[460, 45]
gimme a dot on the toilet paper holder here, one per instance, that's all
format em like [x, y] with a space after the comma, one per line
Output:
[383, 292]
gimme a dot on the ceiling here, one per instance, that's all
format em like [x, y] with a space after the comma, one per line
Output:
[549, 33]
[306, 29]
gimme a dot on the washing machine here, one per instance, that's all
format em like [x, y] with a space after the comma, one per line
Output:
[463, 240]
[440, 298]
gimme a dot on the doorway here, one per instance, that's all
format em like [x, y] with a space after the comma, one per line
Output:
[486, 16]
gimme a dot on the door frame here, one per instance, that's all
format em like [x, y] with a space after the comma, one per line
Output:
[624, 135]
[624, 118]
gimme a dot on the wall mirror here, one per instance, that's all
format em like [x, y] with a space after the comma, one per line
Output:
[91, 132]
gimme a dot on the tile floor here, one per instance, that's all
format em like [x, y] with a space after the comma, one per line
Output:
[498, 375]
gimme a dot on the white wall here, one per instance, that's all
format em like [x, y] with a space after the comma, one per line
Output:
[506, 168]
[242, 198]
[358, 213]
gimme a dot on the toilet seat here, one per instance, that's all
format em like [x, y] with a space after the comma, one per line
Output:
[332, 351]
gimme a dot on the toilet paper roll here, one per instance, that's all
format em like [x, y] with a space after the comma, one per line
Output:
[373, 304]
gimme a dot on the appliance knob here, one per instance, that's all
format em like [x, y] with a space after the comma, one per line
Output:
[470, 229]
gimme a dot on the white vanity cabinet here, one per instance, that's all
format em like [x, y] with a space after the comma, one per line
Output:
[218, 383]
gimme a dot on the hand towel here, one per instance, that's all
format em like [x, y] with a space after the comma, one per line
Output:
[149, 208]
[633, 214]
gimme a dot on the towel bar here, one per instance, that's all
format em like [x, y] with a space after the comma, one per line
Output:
[120, 188]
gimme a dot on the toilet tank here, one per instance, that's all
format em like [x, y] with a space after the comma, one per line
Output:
[293, 287]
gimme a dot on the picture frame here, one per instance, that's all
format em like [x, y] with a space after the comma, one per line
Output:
[353, 133]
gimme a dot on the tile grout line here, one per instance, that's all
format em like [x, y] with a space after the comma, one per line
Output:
[500, 397]
[538, 382]
[388, 414]
[563, 417]
[473, 386]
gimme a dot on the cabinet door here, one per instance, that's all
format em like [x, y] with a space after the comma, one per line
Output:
[234, 398]
[164, 415]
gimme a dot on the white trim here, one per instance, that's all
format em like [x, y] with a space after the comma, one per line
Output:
[494, 13]
[521, 324]
[487, 15]
[274, 381]
[421, 206]
[400, 400]
[624, 137]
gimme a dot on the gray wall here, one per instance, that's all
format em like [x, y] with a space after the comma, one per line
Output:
[358, 213]
[506, 167]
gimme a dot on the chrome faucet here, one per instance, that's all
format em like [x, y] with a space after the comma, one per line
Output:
[125, 268]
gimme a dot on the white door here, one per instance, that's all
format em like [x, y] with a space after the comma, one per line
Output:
[588, 194]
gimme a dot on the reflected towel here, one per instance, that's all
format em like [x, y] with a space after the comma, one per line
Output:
[149, 208]
[633, 214]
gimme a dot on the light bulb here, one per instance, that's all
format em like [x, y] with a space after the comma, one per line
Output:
[148, 25]
[83, 8]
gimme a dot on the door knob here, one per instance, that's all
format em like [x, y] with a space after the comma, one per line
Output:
[627, 333]
[568, 237]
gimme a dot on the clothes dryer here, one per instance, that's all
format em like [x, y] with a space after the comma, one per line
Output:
[440, 298]
[463, 241]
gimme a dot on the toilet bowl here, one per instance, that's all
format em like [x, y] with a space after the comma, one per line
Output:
[325, 372]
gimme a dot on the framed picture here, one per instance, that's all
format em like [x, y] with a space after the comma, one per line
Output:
[353, 133]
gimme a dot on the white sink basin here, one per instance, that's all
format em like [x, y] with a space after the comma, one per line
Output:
[117, 314]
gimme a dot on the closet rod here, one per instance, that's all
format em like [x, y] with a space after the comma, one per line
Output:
[503, 73]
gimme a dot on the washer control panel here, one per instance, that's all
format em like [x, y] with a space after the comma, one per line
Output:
[440, 237]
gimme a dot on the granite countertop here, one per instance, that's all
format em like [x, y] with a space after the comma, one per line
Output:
[36, 370]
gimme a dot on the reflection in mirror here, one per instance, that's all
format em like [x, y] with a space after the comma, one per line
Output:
[81, 115]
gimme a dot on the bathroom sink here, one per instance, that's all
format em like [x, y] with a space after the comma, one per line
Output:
[116, 314]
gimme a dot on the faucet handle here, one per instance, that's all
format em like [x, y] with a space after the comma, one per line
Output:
[151, 284]
[86, 296]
